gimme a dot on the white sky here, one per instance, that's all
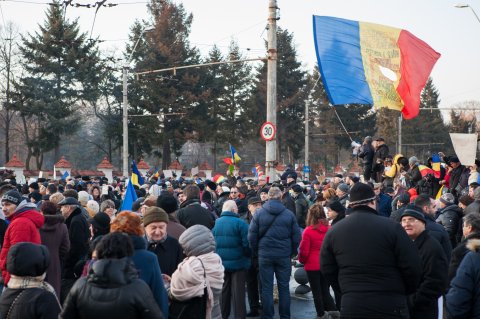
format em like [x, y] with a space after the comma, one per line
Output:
[453, 32]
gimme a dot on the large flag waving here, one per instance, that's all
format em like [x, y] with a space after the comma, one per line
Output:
[137, 178]
[366, 63]
[130, 197]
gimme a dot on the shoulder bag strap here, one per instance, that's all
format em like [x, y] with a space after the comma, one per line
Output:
[13, 304]
[267, 228]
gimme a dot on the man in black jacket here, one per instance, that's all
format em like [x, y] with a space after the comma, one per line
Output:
[372, 259]
[366, 154]
[424, 204]
[450, 216]
[458, 176]
[78, 233]
[471, 230]
[191, 212]
[423, 304]
[381, 152]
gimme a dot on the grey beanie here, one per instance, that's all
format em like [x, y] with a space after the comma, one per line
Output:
[344, 188]
[197, 240]
[413, 160]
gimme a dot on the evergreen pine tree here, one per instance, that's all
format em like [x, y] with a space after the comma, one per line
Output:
[61, 67]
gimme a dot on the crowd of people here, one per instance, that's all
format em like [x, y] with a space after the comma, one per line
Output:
[390, 243]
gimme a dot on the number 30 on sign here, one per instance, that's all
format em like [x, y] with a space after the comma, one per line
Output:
[267, 132]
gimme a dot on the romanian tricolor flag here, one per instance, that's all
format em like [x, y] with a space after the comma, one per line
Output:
[366, 63]
[436, 162]
[137, 178]
[424, 170]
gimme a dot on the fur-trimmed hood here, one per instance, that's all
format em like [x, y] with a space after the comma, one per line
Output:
[474, 245]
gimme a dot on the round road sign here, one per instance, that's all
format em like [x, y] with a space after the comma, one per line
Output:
[268, 130]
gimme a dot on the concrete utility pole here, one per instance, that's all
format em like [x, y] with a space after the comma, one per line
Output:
[400, 134]
[271, 146]
[307, 134]
[125, 121]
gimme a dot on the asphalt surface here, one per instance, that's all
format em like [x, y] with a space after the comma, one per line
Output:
[301, 306]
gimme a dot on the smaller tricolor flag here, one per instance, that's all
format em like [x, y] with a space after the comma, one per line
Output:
[218, 179]
[436, 162]
[425, 170]
[235, 157]
[137, 178]
[130, 197]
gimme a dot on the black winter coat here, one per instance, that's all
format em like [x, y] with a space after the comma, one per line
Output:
[33, 303]
[458, 254]
[438, 232]
[111, 290]
[78, 233]
[169, 254]
[192, 213]
[301, 210]
[366, 154]
[380, 153]
[423, 303]
[463, 298]
[450, 217]
[375, 263]
[458, 177]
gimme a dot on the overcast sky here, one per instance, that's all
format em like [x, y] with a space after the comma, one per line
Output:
[453, 32]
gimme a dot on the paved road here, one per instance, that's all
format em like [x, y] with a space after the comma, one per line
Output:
[301, 306]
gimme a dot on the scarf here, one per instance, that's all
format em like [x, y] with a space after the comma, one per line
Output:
[194, 274]
[19, 282]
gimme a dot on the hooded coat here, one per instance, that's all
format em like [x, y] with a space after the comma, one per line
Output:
[450, 217]
[111, 290]
[309, 251]
[463, 298]
[54, 234]
[25, 223]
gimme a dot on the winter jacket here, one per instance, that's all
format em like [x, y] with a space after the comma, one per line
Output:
[274, 231]
[33, 303]
[474, 207]
[192, 213]
[24, 226]
[458, 179]
[309, 251]
[438, 232]
[463, 298]
[169, 254]
[450, 217]
[301, 210]
[111, 290]
[384, 205]
[78, 234]
[423, 304]
[397, 214]
[54, 234]
[174, 229]
[231, 234]
[374, 262]
[366, 154]
[459, 253]
[414, 176]
[149, 271]
[380, 153]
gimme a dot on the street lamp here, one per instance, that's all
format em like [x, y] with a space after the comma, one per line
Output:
[462, 5]
[126, 66]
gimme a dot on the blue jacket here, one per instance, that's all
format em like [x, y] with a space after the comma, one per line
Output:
[281, 236]
[384, 205]
[230, 234]
[463, 298]
[147, 265]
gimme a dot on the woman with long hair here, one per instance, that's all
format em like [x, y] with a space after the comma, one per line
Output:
[309, 255]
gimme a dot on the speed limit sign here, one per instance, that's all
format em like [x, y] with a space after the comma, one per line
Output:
[267, 132]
